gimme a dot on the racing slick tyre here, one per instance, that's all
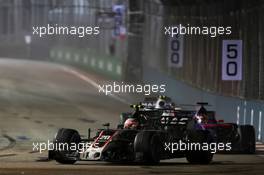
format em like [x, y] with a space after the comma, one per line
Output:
[51, 151]
[199, 156]
[64, 154]
[147, 147]
[247, 141]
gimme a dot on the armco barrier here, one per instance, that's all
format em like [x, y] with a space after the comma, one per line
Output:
[230, 109]
[108, 66]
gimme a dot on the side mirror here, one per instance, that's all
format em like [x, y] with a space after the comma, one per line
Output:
[106, 125]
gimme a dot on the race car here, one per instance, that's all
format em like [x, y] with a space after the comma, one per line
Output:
[142, 138]
[149, 103]
[241, 137]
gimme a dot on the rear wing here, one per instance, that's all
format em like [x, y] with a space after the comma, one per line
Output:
[202, 103]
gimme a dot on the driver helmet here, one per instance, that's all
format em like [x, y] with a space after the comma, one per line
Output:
[201, 115]
[160, 104]
[131, 123]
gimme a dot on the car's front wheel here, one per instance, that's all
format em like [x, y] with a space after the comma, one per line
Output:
[199, 156]
[147, 147]
[65, 140]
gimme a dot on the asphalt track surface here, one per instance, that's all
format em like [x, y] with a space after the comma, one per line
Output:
[37, 98]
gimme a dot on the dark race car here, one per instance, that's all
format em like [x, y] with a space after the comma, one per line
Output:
[241, 137]
[149, 103]
[147, 136]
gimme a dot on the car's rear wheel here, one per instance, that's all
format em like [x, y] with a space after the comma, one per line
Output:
[247, 141]
[63, 154]
[199, 156]
[147, 147]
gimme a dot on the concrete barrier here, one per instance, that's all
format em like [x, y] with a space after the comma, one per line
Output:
[106, 65]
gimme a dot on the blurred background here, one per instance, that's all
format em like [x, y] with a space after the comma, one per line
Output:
[143, 43]
[138, 52]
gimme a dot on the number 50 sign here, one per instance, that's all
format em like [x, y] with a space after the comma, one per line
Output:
[232, 60]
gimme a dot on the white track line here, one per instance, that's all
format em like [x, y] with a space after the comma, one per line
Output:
[91, 82]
